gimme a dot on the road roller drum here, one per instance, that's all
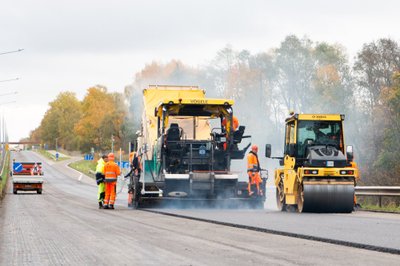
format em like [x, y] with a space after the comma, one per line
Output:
[328, 197]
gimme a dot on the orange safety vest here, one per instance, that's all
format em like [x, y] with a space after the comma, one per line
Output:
[235, 123]
[131, 156]
[253, 168]
[111, 171]
[354, 165]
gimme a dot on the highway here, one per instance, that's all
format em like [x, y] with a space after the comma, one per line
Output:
[64, 227]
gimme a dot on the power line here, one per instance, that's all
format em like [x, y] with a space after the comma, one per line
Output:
[9, 93]
[9, 52]
[3, 103]
[5, 80]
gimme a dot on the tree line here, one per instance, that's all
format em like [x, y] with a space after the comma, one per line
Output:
[97, 122]
[299, 75]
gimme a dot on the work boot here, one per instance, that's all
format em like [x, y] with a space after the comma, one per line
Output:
[100, 205]
[105, 207]
[111, 207]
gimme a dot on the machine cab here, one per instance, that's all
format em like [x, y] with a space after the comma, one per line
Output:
[314, 140]
[197, 135]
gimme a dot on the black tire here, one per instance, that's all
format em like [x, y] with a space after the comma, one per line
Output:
[39, 191]
[14, 191]
[135, 188]
[300, 199]
[280, 198]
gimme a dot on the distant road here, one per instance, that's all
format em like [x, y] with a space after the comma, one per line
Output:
[64, 227]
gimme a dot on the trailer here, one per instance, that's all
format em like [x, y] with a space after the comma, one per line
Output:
[27, 176]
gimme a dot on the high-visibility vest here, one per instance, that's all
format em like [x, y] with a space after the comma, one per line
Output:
[235, 123]
[111, 171]
[100, 166]
[253, 165]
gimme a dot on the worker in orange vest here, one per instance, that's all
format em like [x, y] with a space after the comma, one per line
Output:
[111, 173]
[253, 170]
[353, 164]
[235, 125]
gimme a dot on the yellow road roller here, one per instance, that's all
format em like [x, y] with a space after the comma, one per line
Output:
[317, 173]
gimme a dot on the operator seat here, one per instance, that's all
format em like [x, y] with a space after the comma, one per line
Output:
[238, 135]
[173, 148]
[174, 133]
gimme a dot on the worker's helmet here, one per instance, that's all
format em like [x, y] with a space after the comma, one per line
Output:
[254, 148]
[111, 156]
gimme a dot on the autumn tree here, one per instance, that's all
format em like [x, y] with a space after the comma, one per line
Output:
[374, 68]
[101, 120]
[59, 121]
[387, 166]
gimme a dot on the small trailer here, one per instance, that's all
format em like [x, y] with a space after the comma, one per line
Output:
[27, 176]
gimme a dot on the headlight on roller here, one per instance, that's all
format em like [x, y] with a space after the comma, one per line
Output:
[311, 172]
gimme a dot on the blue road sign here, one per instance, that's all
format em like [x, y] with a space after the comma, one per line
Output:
[17, 167]
[88, 157]
[123, 164]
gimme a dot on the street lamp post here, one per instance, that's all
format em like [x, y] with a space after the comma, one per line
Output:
[9, 52]
[56, 149]
[112, 143]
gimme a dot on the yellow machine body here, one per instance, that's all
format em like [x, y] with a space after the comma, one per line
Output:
[316, 175]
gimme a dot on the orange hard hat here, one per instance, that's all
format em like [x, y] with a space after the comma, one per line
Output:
[111, 156]
[254, 148]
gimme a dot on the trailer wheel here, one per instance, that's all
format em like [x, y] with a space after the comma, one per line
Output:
[39, 191]
[14, 191]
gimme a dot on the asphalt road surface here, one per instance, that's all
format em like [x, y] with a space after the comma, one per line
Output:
[64, 227]
[380, 230]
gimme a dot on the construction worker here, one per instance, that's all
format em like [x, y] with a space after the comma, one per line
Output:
[134, 160]
[100, 179]
[353, 164]
[235, 125]
[111, 173]
[253, 170]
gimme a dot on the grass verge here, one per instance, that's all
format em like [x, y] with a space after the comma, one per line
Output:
[51, 156]
[85, 167]
[373, 207]
[5, 175]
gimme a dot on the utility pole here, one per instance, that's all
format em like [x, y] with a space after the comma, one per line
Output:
[112, 143]
[6, 80]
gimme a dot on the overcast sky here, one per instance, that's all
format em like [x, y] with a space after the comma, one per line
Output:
[72, 45]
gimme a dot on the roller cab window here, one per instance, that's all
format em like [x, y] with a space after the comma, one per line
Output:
[314, 133]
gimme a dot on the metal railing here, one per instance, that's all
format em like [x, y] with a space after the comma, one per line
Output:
[385, 191]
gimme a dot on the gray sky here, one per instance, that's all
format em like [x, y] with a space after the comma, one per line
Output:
[72, 45]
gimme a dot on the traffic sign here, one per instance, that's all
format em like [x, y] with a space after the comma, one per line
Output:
[17, 167]
[88, 157]
[123, 164]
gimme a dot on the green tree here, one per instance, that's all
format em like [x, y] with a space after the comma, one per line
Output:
[387, 163]
[374, 68]
[59, 121]
[296, 65]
